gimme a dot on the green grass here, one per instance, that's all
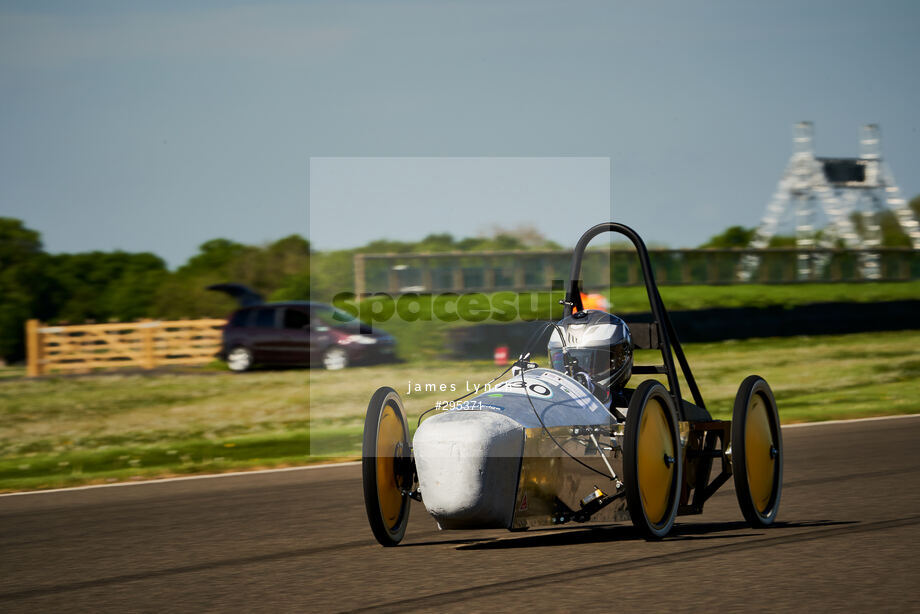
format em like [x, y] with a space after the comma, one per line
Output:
[78, 464]
[11, 372]
[59, 431]
[813, 378]
[756, 295]
[423, 340]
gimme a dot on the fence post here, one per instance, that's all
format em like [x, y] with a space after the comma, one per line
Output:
[547, 266]
[519, 279]
[148, 337]
[33, 349]
[393, 280]
[488, 275]
[712, 269]
[458, 278]
[360, 287]
[427, 279]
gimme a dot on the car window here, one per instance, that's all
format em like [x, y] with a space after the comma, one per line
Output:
[330, 316]
[265, 318]
[241, 318]
[295, 319]
[336, 318]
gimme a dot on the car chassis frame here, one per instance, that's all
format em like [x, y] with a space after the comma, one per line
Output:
[748, 447]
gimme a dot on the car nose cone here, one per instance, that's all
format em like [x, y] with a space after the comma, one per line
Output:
[468, 464]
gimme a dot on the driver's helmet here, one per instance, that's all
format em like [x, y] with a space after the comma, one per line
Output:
[599, 343]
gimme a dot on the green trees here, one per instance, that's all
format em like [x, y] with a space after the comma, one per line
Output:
[733, 236]
[892, 233]
[739, 236]
[121, 286]
[279, 270]
[68, 287]
[21, 280]
[103, 286]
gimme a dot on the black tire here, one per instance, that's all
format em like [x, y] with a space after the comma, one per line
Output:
[650, 418]
[335, 358]
[384, 461]
[240, 359]
[757, 452]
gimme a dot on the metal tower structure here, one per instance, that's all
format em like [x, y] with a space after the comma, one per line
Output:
[841, 187]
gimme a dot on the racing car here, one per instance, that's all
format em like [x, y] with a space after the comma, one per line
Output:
[572, 442]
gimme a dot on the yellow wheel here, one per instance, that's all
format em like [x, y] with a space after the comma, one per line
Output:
[386, 467]
[652, 460]
[757, 452]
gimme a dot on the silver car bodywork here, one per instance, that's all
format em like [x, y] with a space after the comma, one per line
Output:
[491, 463]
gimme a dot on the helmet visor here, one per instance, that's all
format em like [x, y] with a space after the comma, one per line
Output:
[592, 361]
[599, 363]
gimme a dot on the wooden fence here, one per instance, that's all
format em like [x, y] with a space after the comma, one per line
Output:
[146, 344]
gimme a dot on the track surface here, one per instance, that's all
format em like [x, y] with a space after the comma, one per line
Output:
[847, 538]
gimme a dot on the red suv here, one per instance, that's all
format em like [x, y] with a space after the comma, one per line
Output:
[301, 332]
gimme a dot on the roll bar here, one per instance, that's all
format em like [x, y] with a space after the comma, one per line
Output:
[667, 336]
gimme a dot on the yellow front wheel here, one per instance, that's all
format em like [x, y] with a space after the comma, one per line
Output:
[385, 467]
[757, 452]
[652, 461]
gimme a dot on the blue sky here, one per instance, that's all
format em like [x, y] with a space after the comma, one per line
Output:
[156, 126]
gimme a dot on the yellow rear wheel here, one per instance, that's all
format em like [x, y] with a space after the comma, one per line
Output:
[757, 452]
[655, 475]
[385, 467]
[652, 460]
[389, 436]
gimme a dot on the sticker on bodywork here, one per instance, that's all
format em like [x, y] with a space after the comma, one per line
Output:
[533, 387]
[582, 397]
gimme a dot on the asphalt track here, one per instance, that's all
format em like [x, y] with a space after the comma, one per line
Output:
[848, 538]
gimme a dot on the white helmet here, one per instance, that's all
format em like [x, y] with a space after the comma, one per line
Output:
[598, 342]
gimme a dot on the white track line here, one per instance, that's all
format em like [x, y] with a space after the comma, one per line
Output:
[229, 474]
[828, 422]
[355, 463]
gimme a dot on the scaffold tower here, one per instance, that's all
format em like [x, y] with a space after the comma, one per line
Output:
[822, 194]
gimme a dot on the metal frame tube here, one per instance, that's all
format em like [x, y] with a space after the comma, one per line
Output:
[670, 345]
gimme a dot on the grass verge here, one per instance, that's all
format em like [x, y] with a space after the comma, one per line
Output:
[60, 431]
[423, 338]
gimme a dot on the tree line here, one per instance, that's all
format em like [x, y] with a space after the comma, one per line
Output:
[122, 286]
[892, 233]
